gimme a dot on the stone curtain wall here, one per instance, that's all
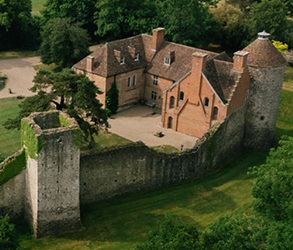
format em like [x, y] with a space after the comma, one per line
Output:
[131, 168]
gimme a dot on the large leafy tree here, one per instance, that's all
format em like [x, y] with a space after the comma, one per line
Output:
[231, 26]
[118, 19]
[63, 43]
[78, 11]
[187, 22]
[269, 15]
[18, 28]
[68, 91]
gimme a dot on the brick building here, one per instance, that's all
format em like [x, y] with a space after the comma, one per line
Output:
[194, 88]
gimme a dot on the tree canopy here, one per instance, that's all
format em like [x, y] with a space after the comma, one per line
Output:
[63, 43]
[78, 11]
[194, 29]
[68, 91]
[18, 28]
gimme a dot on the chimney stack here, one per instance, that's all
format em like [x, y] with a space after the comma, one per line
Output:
[158, 38]
[240, 60]
[90, 63]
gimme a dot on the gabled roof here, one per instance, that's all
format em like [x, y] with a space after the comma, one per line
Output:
[262, 53]
[181, 64]
[219, 74]
[105, 63]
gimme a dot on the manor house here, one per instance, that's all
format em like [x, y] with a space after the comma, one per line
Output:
[194, 88]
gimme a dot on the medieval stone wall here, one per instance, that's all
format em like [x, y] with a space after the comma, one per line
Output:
[135, 167]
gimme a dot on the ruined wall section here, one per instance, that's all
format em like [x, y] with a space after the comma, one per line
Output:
[262, 109]
[142, 168]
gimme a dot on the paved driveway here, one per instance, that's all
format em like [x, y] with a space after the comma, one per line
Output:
[139, 124]
[20, 74]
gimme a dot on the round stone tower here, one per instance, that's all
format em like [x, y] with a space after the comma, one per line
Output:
[266, 68]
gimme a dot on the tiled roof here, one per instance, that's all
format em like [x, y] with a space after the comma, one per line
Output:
[182, 61]
[219, 74]
[105, 63]
[262, 53]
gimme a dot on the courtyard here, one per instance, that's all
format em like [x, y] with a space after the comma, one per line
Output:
[141, 123]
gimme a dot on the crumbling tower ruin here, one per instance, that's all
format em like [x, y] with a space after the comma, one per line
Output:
[266, 67]
[52, 178]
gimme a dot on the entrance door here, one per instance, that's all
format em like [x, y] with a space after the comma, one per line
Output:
[170, 121]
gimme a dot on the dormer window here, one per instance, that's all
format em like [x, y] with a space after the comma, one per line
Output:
[122, 60]
[167, 61]
[136, 56]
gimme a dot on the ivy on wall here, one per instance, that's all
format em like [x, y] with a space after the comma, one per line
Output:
[12, 167]
[32, 142]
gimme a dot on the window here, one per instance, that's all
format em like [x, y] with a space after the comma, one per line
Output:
[122, 60]
[206, 102]
[170, 121]
[167, 61]
[134, 80]
[181, 96]
[155, 80]
[172, 102]
[136, 56]
[129, 82]
[154, 95]
[215, 113]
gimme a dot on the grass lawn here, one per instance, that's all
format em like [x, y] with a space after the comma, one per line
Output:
[9, 139]
[37, 6]
[17, 54]
[121, 223]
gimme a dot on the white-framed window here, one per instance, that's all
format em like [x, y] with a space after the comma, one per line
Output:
[136, 56]
[155, 80]
[134, 80]
[167, 60]
[129, 82]
[154, 95]
[206, 102]
[122, 60]
[181, 96]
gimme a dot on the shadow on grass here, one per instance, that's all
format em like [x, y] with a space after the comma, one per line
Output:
[122, 222]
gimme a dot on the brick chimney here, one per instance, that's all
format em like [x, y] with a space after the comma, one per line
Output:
[158, 38]
[90, 63]
[240, 60]
[199, 61]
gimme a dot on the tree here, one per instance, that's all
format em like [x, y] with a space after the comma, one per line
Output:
[8, 236]
[78, 11]
[269, 15]
[172, 235]
[63, 43]
[112, 99]
[231, 22]
[119, 19]
[70, 92]
[187, 22]
[18, 28]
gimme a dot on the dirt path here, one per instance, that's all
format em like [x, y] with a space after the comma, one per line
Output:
[20, 73]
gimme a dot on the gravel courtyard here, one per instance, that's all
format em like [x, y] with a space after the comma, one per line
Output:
[20, 74]
[139, 124]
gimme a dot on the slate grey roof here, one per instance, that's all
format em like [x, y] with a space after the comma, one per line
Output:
[220, 75]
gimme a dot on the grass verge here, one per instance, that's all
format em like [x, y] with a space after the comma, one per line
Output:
[167, 149]
[9, 139]
[17, 54]
[37, 6]
[288, 79]
[121, 223]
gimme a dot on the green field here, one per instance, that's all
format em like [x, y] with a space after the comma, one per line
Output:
[121, 223]
[37, 6]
